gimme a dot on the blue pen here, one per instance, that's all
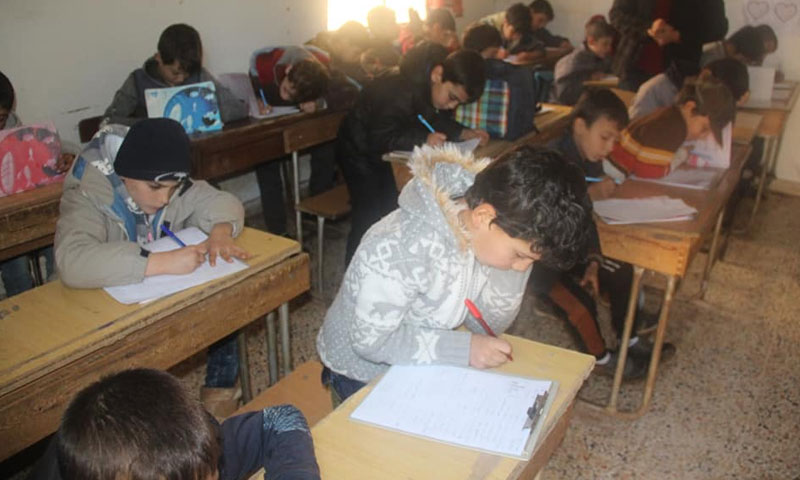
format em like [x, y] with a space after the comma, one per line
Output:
[172, 235]
[598, 179]
[425, 122]
[263, 98]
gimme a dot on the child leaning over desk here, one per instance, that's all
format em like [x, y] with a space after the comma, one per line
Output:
[465, 229]
[121, 189]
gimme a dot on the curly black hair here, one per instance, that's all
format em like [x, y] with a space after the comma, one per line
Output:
[539, 197]
[310, 80]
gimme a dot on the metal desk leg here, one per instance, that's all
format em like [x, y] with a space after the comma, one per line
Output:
[298, 217]
[36, 269]
[770, 151]
[244, 366]
[272, 350]
[283, 319]
[320, 251]
[712, 254]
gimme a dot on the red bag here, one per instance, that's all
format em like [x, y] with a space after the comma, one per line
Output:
[28, 158]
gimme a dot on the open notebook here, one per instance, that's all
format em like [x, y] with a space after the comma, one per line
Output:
[194, 106]
[478, 409]
[617, 211]
[159, 286]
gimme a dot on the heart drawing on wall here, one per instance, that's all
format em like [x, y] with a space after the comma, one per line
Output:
[757, 9]
[785, 11]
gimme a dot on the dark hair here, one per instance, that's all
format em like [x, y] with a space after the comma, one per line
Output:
[181, 43]
[480, 37]
[539, 197]
[767, 35]
[380, 15]
[598, 28]
[309, 79]
[542, 6]
[466, 68]
[353, 33]
[594, 104]
[747, 41]
[442, 17]
[137, 424]
[732, 73]
[6, 92]
[381, 52]
[519, 17]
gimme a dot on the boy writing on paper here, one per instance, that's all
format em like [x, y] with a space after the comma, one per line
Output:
[121, 189]
[541, 14]
[591, 62]
[142, 424]
[466, 228]
[178, 62]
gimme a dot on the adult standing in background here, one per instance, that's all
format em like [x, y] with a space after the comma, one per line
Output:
[654, 33]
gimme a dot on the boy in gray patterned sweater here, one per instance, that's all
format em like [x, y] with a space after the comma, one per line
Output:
[466, 229]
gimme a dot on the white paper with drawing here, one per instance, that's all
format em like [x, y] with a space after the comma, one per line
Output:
[478, 409]
[159, 286]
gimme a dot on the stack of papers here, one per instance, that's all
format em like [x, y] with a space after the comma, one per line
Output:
[688, 177]
[159, 286]
[618, 211]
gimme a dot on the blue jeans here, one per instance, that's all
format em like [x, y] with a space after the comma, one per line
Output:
[341, 386]
[222, 364]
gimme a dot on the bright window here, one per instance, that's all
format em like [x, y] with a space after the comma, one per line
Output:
[341, 11]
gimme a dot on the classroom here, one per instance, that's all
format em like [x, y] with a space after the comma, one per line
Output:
[350, 239]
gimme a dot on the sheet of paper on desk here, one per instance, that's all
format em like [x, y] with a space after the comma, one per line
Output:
[277, 111]
[159, 286]
[619, 211]
[688, 177]
[473, 408]
[762, 80]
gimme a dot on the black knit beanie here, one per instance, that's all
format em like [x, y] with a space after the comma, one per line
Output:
[154, 149]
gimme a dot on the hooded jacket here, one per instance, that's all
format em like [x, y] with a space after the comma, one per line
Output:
[404, 291]
[95, 243]
[129, 106]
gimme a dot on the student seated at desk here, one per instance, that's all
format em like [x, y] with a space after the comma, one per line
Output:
[439, 27]
[121, 190]
[143, 424]
[541, 14]
[466, 229]
[385, 118]
[651, 145]
[597, 121]
[590, 62]
[177, 62]
[518, 40]
[746, 45]
[769, 38]
[345, 46]
[484, 39]
[378, 60]
[382, 25]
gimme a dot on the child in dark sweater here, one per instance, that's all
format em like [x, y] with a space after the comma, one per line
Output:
[591, 62]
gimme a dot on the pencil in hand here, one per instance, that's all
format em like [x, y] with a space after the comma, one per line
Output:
[479, 317]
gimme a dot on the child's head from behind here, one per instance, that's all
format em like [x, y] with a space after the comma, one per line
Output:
[600, 37]
[541, 14]
[180, 53]
[350, 41]
[459, 79]
[769, 37]
[137, 424]
[382, 23]
[484, 39]
[305, 80]
[6, 99]
[517, 22]
[597, 122]
[706, 106]
[153, 161]
[378, 59]
[747, 45]
[528, 206]
[733, 74]
[440, 27]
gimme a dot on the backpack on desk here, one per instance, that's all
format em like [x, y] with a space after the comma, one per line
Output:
[28, 158]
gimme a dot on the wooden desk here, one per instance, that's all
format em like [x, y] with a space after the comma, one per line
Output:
[54, 340]
[28, 220]
[610, 81]
[666, 248]
[548, 62]
[351, 450]
[746, 127]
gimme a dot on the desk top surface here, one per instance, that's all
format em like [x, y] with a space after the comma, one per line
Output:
[52, 324]
[784, 104]
[351, 450]
[745, 127]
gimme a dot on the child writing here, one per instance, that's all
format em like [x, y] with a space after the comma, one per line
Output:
[142, 424]
[541, 14]
[591, 62]
[122, 188]
[466, 229]
[177, 62]
[439, 27]
[385, 118]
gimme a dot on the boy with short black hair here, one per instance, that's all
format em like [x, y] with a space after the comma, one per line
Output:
[542, 14]
[651, 145]
[466, 228]
[291, 75]
[517, 35]
[177, 62]
[769, 37]
[385, 118]
[746, 45]
[484, 39]
[142, 424]
[439, 27]
[123, 187]
[591, 62]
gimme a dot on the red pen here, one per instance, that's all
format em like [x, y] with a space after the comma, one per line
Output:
[477, 314]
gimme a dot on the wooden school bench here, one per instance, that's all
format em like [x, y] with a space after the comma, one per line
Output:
[54, 341]
[348, 450]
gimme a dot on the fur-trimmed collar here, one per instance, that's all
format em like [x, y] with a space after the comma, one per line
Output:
[423, 163]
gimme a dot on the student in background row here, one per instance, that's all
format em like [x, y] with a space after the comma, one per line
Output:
[430, 83]
[382, 25]
[439, 27]
[745, 45]
[142, 424]
[518, 39]
[125, 185]
[484, 39]
[542, 14]
[345, 46]
[177, 62]
[379, 60]
[591, 62]
[662, 90]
